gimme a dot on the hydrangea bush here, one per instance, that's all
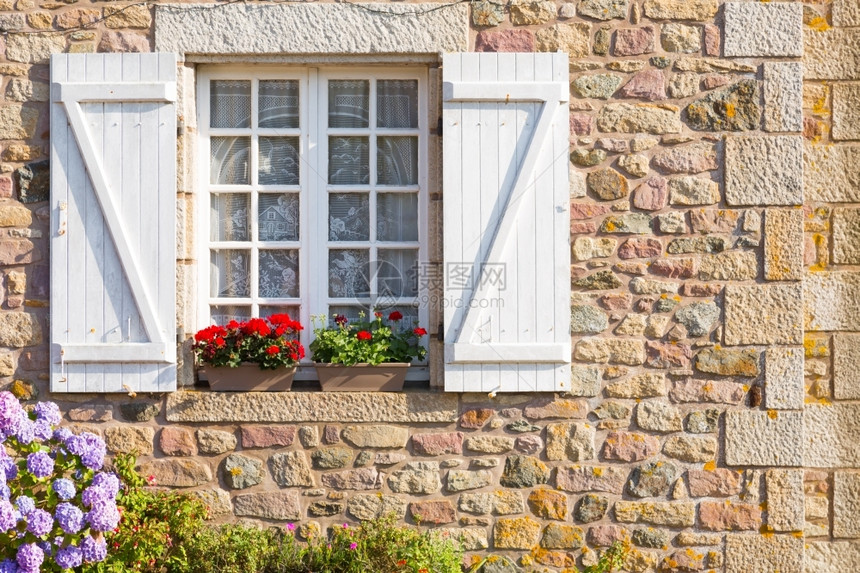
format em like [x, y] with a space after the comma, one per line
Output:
[55, 503]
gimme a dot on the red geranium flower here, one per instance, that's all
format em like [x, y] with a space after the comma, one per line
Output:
[419, 331]
[340, 319]
[364, 335]
[273, 349]
[395, 315]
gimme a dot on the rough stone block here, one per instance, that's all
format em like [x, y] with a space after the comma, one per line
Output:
[846, 504]
[832, 557]
[764, 314]
[312, 29]
[846, 236]
[754, 29]
[783, 378]
[846, 366]
[846, 13]
[846, 111]
[785, 500]
[783, 244]
[783, 96]
[280, 505]
[832, 434]
[760, 554]
[764, 170]
[756, 438]
[831, 54]
[832, 301]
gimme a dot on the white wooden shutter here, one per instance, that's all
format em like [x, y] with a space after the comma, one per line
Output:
[506, 222]
[113, 222]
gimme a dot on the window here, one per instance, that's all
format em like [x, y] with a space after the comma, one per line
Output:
[314, 193]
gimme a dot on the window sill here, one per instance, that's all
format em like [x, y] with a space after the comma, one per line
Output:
[411, 406]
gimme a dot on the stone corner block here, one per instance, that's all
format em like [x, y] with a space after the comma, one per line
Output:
[832, 556]
[832, 301]
[846, 235]
[846, 504]
[768, 30]
[764, 170]
[759, 554]
[783, 96]
[785, 500]
[764, 314]
[846, 112]
[846, 366]
[831, 173]
[783, 378]
[783, 244]
[832, 435]
[756, 438]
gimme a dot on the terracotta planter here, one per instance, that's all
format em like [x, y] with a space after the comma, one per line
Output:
[249, 378]
[362, 377]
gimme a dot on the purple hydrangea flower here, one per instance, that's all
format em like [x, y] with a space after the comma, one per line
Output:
[8, 566]
[42, 430]
[68, 557]
[39, 522]
[40, 464]
[70, 518]
[7, 516]
[29, 558]
[5, 492]
[25, 504]
[94, 455]
[62, 434]
[103, 516]
[108, 482]
[49, 412]
[11, 413]
[65, 488]
[9, 468]
[93, 551]
[76, 445]
[26, 431]
[46, 547]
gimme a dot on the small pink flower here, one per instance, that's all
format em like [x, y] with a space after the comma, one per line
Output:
[291, 526]
[352, 546]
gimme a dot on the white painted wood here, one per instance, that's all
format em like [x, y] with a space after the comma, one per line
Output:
[113, 208]
[508, 214]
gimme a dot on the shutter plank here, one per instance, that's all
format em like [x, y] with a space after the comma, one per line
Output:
[452, 150]
[95, 232]
[79, 187]
[526, 94]
[112, 162]
[121, 211]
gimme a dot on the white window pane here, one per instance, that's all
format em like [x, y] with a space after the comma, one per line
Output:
[348, 161]
[348, 273]
[230, 103]
[349, 217]
[228, 216]
[279, 103]
[279, 273]
[397, 217]
[348, 103]
[224, 313]
[278, 216]
[278, 161]
[397, 103]
[397, 160]
[396, 274]
[229, 160]
[230, 271]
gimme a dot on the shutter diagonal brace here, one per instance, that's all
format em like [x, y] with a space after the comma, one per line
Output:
[71, 96]
[547, 93]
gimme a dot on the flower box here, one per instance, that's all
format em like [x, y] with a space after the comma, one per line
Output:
[249, 378]
[388, 377]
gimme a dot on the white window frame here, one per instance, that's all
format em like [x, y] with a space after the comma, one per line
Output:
[313, 191]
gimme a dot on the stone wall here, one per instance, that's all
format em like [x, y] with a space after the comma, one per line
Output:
[715, 236]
